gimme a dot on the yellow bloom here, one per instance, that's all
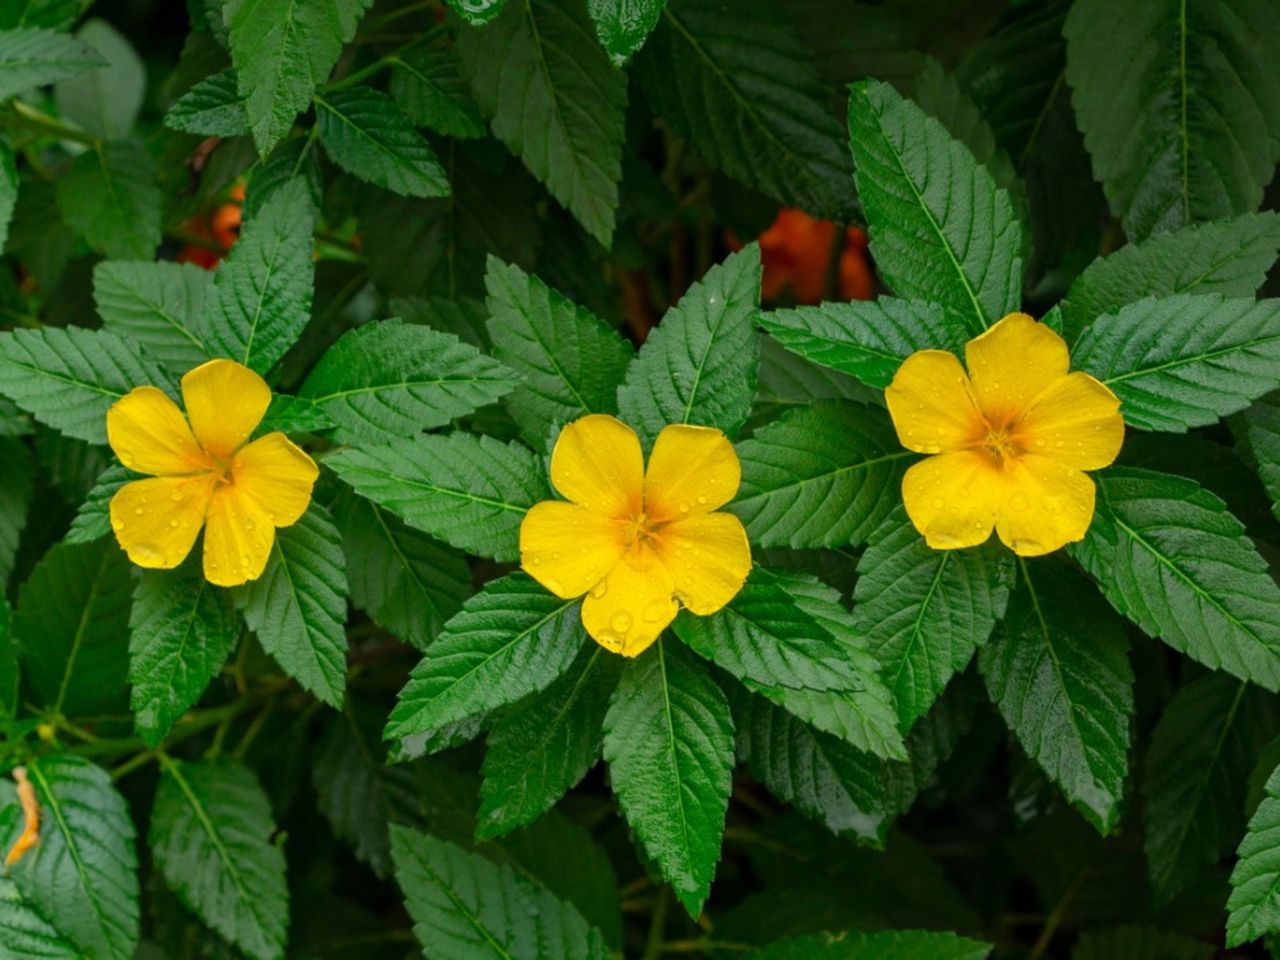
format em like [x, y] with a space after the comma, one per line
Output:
[636, 542]
[205, 474]
[1011, 440]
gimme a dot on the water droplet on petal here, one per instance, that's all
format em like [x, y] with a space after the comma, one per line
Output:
[600, 589]
[702, 499]
[938, 503]
[684, 506]
[621, 622]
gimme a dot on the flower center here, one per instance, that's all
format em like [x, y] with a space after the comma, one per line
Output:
[999, 445]
[640, 530]
[221, 468]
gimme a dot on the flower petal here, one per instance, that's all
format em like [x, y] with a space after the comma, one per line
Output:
[1049, 505]
[568, 549]
[225, 402]
[156, 520]
[149, 434]
[277, 475]
[932, 405]
[1076, 421]
[709, 559]
[953, 498]
[1012, 362]
[238, 536]
[597, 463]
[692, 470]
[630, 607]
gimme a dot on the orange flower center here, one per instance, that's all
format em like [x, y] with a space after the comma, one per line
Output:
[639, 531]
[998, 439]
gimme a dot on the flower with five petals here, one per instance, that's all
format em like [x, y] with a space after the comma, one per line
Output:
[639, 543]
[205, 473]
[1009, 441]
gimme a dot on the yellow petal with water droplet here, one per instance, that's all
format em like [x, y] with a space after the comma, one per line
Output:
[1075, 421]
[277, 475]
[1060, 503]
[568, 549]
[156, 520]
[149, 434]
[1012, 363]
[709, 559]
[237, 538]
[226, 402]
[932, 406]
[692, 470]
[597, 463]
[953, 498]
[635, 606]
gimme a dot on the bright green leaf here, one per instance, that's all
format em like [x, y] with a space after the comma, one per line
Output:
[158, 306]
[34, 57]
[111, 196]
[212, 108]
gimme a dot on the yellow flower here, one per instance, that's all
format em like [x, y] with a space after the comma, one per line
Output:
[1011, 440]
[636, 542]
[205, 474]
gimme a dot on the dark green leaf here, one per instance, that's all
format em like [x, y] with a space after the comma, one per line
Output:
[511, 639]
[1139, 943]
[1255, 898]
[1169, 556]
[298, 607]
[1058, 671]
[887, 945]
[111, 196]
[1262, 428]
[1184, 361]
[17, 476]
[24, 934]
[471, 492]
[570, 360]
[181, 630]
[699, 365]
[821, 476]
[624, 25]
[426, 83]
[93, 520]
[555, 100]
[364, 132]
[941, 230]
[159, 306]
[34, 57]
[210, 834]
[668, 740]
[212, 108]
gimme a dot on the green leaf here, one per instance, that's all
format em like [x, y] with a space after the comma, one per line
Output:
[1170, 557]
[477, 12]
[210, 834]
[262, 292]
[787, 637]
[426, 83]
[83, 877]
[867, 339]
[298, 607]
[33, 57]
[1261, 425]
[555, 100]
[624, 25]
[17, 487]
[1160, 91]
[821, 476]
[68, 377]
[1058, 671]
[699, 365]
[105, 101]
[470, 491]
[293, 159]
[93, 520]
[54, 14]
[1254, 905]
[885, 945]
[111, 196]
[10, 676]
[386, 380]
[570, 360]
[922, 612]
[1184, 361]
[283, 50]
[1195, 777]
[1139, 943]
[511, 639]
[1229, 257]
[24, 934]
[8, 191]
[72, 627]
[212, 108]
[474, 909]
[941, 230]
[182, 629]
[159, 306]
[541, 748]
[743, 91]
[364, 133]
[668, 740]
[406, 582]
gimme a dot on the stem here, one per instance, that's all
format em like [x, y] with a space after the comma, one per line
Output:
[658, 923]
[373, 69]
[42, 121]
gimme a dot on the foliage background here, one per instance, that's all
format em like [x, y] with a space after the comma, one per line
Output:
[445, 155]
